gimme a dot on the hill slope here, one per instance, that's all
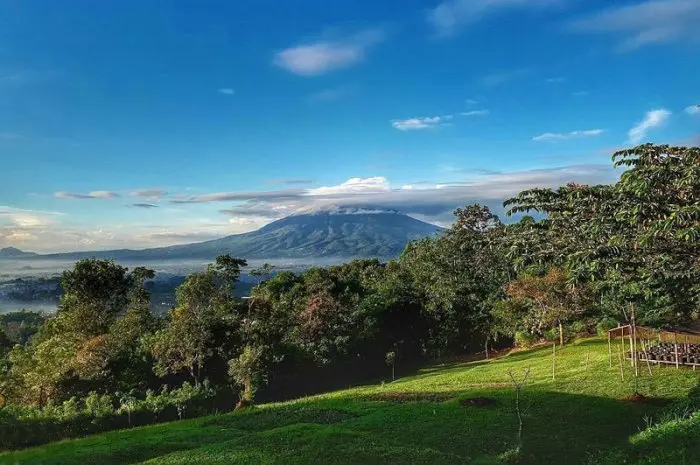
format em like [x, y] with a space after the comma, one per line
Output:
[12, 252]
[425, 418]
[340, 232]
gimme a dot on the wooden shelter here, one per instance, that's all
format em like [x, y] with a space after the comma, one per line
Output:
[649, 345]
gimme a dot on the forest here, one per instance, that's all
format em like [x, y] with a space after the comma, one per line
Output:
[578, 261]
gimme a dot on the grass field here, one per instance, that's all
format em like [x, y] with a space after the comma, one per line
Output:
[422, 419]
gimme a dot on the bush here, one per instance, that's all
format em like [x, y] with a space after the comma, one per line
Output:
[552, 335]
[604, 325]
[524, 339]
[579, 328]
[23, 426]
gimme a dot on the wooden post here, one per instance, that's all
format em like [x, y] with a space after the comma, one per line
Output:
[675, 345]
[609, 350]
[554, 351]
[622, 372]
[631, 348]
[634, 340]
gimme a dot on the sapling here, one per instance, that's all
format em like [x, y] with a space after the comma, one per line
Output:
[518, 386]
[391, 361]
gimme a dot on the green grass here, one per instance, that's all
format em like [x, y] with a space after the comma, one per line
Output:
[419, 419]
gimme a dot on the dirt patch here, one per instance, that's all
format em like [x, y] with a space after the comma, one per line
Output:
[403, 397]
[477, 402]
[638, 399]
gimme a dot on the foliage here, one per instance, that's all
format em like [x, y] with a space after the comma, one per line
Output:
[246, 371]
[552, 301]
[638, 239]
[523, 339]
[22, 426]
[604, 325]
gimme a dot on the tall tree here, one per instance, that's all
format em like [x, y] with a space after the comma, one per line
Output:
[202, 302]
[640, 236]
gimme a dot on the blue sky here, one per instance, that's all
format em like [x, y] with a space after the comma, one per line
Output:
[153, 123]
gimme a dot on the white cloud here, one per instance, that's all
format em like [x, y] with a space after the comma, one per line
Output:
[226, 91]
[91, 195]
[475, 113]
[652, 119]
[327, 55]
[693, 110]
[433, 202]
[354, 186]
[451, 15]
[650, 22]
[413, 124]
[550, 136]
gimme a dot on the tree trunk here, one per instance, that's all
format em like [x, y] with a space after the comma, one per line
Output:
[486, 348]
[248, 390]
[561, 334]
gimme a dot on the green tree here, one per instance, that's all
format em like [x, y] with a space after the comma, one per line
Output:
[638, 239]
[203, 302]
[247, 371]
[553, 300]
[262, 272]
[95, 292]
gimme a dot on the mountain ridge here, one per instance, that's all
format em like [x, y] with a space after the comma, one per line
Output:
[337, 232]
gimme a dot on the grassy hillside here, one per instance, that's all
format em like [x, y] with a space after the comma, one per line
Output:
[425, 418]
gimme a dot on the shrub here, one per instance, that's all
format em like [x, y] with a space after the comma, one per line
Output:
[579, 328]
[23, 426]
[552, 335]
[604, 325]
[524, 339]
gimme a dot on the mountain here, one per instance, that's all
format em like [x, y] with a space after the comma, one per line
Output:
[338, 232]
[12, 252]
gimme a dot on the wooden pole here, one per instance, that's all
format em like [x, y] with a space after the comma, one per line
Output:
[609, 349]
[634, 346]
[554, 351]
[675, 345]
[622, 372]
[631, 348]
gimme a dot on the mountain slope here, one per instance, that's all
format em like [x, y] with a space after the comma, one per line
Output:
[12, 252]
[341, 232]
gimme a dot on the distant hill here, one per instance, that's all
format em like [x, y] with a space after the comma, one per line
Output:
[12, 252]
[338, 232]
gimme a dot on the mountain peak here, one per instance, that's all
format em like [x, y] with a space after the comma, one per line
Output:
[14, 252]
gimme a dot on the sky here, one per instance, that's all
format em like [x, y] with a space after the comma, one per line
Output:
[149, 123]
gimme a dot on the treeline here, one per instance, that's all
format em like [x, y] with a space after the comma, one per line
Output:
[587, 258]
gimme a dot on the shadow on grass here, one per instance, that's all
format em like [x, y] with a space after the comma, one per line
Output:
[558, 428]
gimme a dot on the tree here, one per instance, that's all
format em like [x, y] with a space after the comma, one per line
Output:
[390, 359]
[203, 301]
[94, 293]
[5, 342]
[247, 371]
[262, 272]
[638, 239]
[554, 300]
[460, 275]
